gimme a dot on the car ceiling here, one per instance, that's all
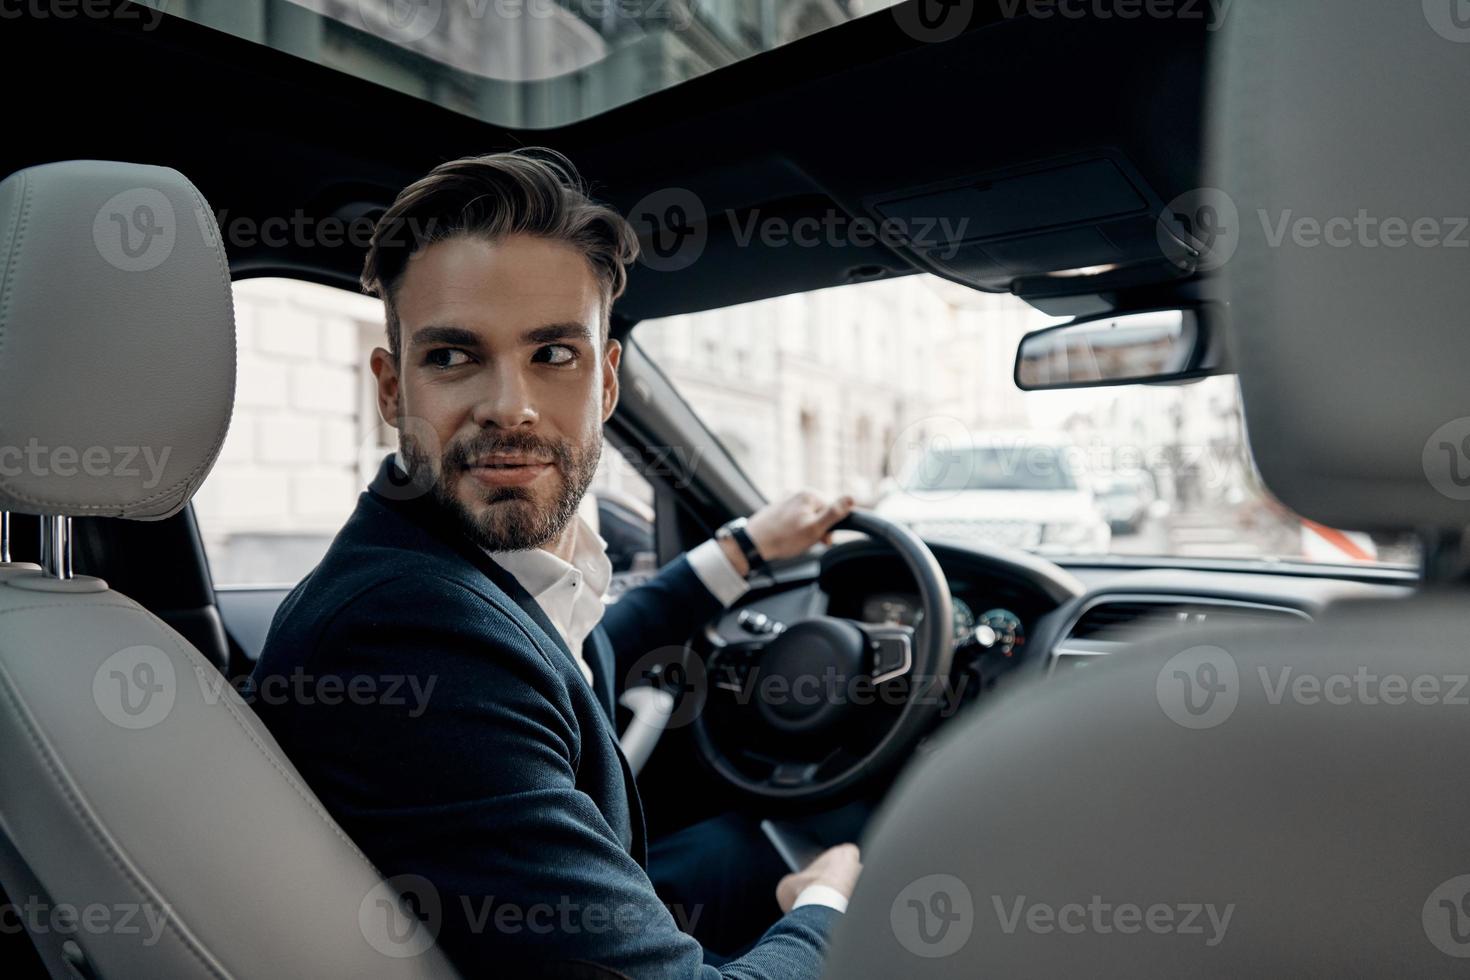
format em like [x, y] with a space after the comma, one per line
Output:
[1060, 138]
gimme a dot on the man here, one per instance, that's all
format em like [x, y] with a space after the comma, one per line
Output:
[466, 575]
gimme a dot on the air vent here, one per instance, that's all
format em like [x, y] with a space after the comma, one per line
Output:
[1128, 619]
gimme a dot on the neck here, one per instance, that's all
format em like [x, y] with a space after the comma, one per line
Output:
[564, 544]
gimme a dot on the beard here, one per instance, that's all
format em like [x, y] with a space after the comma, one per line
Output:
[509, 518]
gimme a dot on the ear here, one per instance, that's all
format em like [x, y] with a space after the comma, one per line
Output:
[610, 360]
[385, 369]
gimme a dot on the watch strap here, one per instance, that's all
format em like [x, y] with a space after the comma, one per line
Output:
[736, 529]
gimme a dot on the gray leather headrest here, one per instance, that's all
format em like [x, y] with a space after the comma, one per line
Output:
[1340, 139]
[117, 340]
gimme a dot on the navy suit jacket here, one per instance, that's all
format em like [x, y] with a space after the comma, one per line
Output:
[502, 784]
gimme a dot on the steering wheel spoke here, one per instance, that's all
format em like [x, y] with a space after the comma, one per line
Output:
[890, 650]
[730, 666]
[799, 683]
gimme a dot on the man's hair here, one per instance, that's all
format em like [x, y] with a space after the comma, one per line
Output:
[532, 191]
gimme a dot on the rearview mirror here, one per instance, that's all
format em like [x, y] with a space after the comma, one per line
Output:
[1131, 348]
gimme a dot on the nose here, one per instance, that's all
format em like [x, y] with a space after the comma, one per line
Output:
[505, 402]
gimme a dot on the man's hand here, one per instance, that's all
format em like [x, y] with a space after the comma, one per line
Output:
[837, 868]
[789, 527]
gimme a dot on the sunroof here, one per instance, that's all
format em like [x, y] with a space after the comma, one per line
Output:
[525, 63]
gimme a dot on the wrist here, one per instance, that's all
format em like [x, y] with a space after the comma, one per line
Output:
[735, 555]
[820, 894]
[735, 538]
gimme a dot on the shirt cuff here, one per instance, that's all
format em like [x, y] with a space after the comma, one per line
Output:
[821, 895]
[712, 567]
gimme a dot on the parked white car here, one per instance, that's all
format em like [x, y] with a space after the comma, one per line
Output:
[1022, 489]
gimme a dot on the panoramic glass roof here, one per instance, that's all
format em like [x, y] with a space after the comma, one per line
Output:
[524, 63]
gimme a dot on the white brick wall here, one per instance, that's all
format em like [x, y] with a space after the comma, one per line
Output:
[288, 474]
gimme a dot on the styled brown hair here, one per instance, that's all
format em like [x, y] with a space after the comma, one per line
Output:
[531, 191]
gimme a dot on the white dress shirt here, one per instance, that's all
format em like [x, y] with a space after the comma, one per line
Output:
[573, 594]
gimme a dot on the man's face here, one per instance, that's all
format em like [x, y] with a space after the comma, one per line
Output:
[503, 384]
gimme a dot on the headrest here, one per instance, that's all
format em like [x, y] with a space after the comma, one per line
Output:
[117, 340]
[1340, 142]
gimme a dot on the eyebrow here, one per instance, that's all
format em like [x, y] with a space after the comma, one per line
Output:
[553, 332]
[460, 337]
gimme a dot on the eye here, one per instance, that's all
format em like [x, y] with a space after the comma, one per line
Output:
[446, 357]
[557, 355]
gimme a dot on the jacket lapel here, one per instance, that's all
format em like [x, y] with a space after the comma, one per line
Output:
[399, 493]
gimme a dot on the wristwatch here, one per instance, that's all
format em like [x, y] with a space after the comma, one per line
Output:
[736, 529]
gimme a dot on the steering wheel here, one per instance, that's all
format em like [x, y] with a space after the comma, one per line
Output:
[819, 685]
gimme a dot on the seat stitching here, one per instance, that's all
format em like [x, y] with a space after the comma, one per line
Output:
[140, 888]
[12, 257]
[191, 654]
[123, 510]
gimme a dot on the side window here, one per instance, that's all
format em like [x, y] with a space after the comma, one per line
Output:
[305, 437]
[620, 506]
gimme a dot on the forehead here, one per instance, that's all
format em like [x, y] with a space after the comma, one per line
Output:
[498, 287]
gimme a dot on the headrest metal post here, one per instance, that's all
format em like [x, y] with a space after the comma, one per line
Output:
[1444, 560]
[56, 547]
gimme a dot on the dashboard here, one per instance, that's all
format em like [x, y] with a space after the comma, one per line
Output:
[1017, 620]
[997, 615]
[1012, 619]
[997, 627]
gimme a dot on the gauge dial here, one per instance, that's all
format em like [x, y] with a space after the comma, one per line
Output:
[1009, 633]
[890, 609]
[964, 620]
[904, 610]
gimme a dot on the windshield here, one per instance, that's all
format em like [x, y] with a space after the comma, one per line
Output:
[523, 63]
[901, 393]
[1016, 467]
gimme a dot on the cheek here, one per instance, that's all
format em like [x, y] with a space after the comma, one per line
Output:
[434, 414]
[572, 406]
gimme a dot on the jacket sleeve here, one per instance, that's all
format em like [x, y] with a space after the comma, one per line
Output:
[663, 612]
[467, 777]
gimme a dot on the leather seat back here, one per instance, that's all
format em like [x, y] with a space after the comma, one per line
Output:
[149, 824]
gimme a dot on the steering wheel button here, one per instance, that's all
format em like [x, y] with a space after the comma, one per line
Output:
[889, 655]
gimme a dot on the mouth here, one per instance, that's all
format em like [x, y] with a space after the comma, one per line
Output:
[507, 469]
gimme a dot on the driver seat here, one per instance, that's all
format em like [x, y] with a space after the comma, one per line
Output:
[1282, 802]
[149, 824]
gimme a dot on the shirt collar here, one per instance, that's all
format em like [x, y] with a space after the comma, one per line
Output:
[539, 571]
